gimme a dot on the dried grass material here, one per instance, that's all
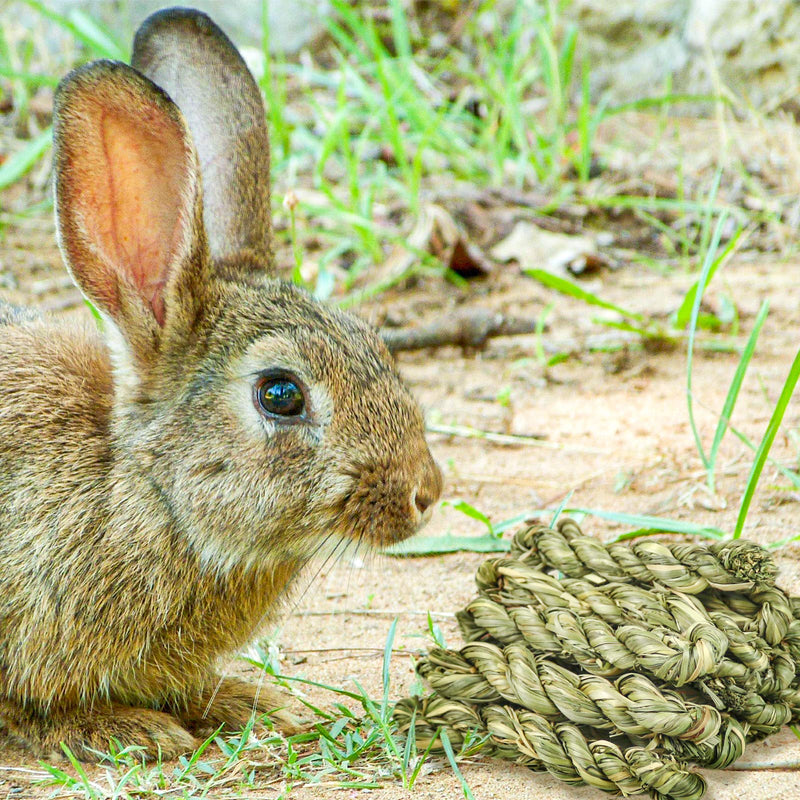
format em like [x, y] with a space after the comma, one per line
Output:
[732, 566]
[618, 665]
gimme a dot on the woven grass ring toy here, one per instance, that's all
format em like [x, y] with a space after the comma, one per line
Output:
[619, 665]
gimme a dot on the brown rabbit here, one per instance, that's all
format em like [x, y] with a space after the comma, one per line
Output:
[162, 485]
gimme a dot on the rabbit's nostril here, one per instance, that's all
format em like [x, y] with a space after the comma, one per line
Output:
[422, 500]
[429, 488]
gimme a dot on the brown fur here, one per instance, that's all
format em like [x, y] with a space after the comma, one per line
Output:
[152, 519]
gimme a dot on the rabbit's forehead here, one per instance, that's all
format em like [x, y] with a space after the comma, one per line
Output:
[286, 322]
[275, 351]
[337, 356]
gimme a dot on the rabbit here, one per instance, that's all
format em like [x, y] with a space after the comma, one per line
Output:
[166, 476]
[10, 313]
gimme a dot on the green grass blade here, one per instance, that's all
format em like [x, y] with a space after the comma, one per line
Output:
[645, 103]
[334, 689]
[387, 661]
[708, 213]
[538, 343]
[408, 749]
[654, 331]
[792, 477]
[95, 37]
[473, 513]
[684, 313]
[782, 542]
[650, 523]
[560, 509]
[585, 127]
[89, 788]
[31, 79]
[23, 160]
[400, 34]
[357, 32]
[733, 391]
[579, 293]
[189, 764]
[451, 757]
[702, 282]
[504, 525]
[632, 201]
[436, 545]
[766, 443]
[566, 57]
[424, 757]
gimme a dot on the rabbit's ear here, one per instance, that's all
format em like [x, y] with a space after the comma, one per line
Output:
[128, 198]
[196, 64]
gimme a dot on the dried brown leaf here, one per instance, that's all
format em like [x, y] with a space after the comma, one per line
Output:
[560, 253]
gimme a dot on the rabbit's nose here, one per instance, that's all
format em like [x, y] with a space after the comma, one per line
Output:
[427, 492]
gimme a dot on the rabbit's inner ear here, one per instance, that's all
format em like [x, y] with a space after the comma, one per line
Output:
[136, 230]
[125, 190]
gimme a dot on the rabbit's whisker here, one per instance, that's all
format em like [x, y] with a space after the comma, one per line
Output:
[213, 696]
[330, 555]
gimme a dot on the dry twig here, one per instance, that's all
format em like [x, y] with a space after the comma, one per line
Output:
[468, 328]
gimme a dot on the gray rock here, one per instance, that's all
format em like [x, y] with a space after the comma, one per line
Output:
[635, 46]
[292, 23]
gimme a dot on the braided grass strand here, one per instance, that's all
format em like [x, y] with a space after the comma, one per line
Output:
[734, 566]
[617, 665]
[482, 673]
[560, 748]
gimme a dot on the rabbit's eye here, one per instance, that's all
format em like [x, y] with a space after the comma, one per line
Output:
[280, 395]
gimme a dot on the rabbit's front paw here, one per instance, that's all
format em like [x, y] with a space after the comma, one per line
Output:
[232, 702]
[89, 733]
